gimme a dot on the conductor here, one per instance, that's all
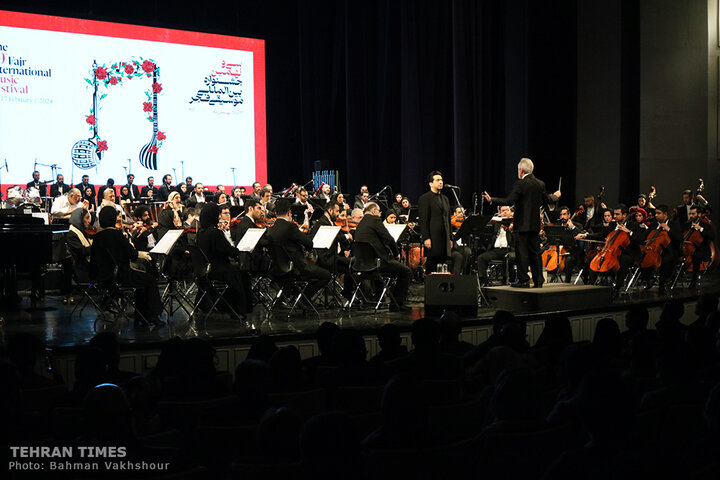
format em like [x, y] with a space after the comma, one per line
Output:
[528, 195]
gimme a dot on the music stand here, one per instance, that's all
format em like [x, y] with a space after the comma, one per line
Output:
[163, 248]
[558, 235]
[324, 239]
[474, 225]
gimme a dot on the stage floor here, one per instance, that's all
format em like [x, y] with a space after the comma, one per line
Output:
[52, 320]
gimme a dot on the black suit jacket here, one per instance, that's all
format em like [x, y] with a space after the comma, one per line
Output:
[192, 200]
[581, 218]
[434, 211]
[57, 189]
[164, 192]
[288, 235]
[42, 187]
[135, 191]
[682, 214]
[146, 189]
[102, 189]
[497, 227]
[238, 231]
[371, 230]
[528, 195]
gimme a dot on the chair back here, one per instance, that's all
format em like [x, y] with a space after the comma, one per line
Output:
[200, 263]
[364, 258]
[280, 262]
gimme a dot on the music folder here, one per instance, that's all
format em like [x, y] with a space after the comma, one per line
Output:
[395, 229]
[325, 236]
[167, 242]
[250, 239]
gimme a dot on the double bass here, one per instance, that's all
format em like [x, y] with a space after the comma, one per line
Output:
[608, 258]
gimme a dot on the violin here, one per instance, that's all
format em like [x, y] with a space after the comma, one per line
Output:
[456, 220]
[90, 232]
[343, 224]
[655, 243]
[608, 258]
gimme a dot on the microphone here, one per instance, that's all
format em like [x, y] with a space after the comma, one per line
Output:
[35, 165]
[450, 186]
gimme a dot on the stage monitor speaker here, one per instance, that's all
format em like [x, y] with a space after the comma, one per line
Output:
[456, 293]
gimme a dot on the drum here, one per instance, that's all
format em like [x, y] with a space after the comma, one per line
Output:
[415, 256]
[15, 195]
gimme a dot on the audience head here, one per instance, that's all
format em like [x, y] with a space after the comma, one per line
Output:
[107, 343]
[324, 336]
[389, 337]
[262, 348]
[556, 333]
[425, 333]
[349, 347]
[500, 319]
[637, 318]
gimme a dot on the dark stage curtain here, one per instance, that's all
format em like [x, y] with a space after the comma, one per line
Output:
[390, 90]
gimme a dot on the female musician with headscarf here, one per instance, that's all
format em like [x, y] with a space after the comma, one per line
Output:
[79, 242]
[219, 251]
[171, 216]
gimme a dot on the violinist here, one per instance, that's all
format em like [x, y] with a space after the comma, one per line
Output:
[267, 203]
[79, 241]
[390, 218]
[671, 253]
[302, 208]
[339, 198]
[702, 252]
[335, 258]
[236, 199]
[397, 204]
[325, 193]
[108, 201]
[224, 222]
[457, 218]
[502, 244]
[254, 217]
[143, 235]
[65, 205]
[191, 225]
[171, 215]
[149, 191]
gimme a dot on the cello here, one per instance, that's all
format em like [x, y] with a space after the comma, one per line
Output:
[656, 242]
[608, 258]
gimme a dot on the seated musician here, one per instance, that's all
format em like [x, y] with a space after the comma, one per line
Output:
[37, 184]
[197, 196]
[267, 203]
[125, 196]
[109, 249]
[632, 253]
[88, 193]
[339, 198]
[371, 230]
[591, 214]
[224, 221]
[149, 191]
[108, 201]
[390, 218]
[362, 200]
[236, 199]
[303, 205]
[397, 204]
[334, 258]
[165, 189]
[703, 252]
[65, 205]
[670, 254]
[191, 225]
[286, 234]
[218, 251]
[143, 236]
[403, 212]
[683, 210]
[575, 258]
[325, 193]
[502, 245]
[59, 188]
[110, 184]
[79, 242]
[254, 218]
[170, 217]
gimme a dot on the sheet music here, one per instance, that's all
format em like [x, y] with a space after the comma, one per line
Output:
[166, 243]
[42, 215]
[395, 229]
[250, 239]
[325, 236]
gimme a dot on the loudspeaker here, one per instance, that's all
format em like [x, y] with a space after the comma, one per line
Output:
[456, 293]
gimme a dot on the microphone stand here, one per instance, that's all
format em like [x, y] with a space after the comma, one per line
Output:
[233, 172]
[456, 197]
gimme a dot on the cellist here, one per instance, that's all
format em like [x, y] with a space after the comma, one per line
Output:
[702, 252]
[575, 258]
[670, 253]
[629, 255]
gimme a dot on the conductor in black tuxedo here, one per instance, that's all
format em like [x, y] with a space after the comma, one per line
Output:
[287, 235]
[528, 195]
[434, 212]
[371, 230]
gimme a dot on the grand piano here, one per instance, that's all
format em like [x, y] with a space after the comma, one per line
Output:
[28, 245]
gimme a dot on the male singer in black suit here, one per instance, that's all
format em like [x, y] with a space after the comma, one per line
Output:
[59, 187]
[132, 188]
[329, 258]
[371, 230]
[150, 190]
[528, 195]
[83, 185]
[36, 183]
[434, 212]
[285, 234]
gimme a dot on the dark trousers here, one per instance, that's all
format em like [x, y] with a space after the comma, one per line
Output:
[340, 265]
[627, 260]
[238, 287]
[317, 278]
[573, 261]
[527, 253]
[484, 260]
[402, 275]
[147, 295]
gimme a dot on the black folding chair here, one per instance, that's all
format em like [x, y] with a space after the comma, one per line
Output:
[283, 275]
[214, 290]
[365, 266]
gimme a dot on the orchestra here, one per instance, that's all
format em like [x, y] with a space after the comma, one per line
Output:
[649, 240]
